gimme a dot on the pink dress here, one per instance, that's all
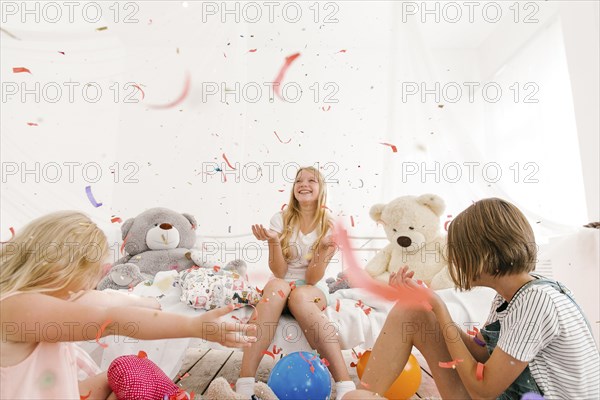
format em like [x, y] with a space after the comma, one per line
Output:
[49, 372]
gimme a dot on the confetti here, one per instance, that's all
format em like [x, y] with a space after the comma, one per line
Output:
[182, 96]
[293, 285]
[450, 364]
[328, 108]
[276, 350]
[102, 28]
[116, 219]
[341, 51]
[316, 299]
[352, 221]
[394, 148]
[337, 305]
[277, 82]
[281, 294]
[358, 277]
[32, 124]
[123, 245]
[88, 191]
[283, 206]
[85, 397]
[227, 161]
[280, 138]
[479, 371]
[259, 290]
[447, 222]
[18, 70]
[264, 300]
[181, 377]
[479, 341]
[268, 353]
[140, 89]
[12, 232]
[142, 354]
[99, 335]
[61, 52]
[9, 34]
[325, 362]
[216, 268]
[252, 51]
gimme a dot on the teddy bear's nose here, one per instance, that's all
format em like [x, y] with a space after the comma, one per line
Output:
[404, 241]
[166, 226]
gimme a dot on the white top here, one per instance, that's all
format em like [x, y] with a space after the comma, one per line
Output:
[545, 328]
[300, 248]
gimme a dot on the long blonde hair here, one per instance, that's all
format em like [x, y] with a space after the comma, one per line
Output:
[52, 253]
[291, 215]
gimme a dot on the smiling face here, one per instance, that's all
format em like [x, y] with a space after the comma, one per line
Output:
[306, 186]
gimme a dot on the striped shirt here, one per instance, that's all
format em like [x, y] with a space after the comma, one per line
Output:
[545, 328]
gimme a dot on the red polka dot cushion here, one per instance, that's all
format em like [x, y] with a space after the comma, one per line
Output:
[136, 377]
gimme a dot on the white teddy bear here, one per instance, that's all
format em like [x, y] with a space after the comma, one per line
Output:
[412, 225]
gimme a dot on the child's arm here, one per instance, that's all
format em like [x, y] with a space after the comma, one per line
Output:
[277, 263]
[33, 317]
[499, 371]
[319, 262]
[112, 298]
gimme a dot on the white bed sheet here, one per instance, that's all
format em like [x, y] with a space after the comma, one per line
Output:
[353, 326]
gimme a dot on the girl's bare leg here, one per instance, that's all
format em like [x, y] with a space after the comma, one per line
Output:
[306, 303]
[403, 329]
[266, 321]
[96, 386]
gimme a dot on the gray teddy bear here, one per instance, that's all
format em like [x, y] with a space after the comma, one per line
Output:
[156, 240]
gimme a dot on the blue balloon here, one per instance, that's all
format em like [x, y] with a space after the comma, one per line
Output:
[292, 377]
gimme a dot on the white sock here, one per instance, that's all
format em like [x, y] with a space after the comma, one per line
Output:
[245, 386]
[343, 387]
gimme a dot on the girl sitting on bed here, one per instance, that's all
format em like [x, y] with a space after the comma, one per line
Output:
[52, 261]
[300, 248]
[536, 338]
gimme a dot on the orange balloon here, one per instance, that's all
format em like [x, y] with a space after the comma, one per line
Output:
[405, 386]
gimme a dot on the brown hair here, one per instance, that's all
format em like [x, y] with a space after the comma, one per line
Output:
[491, 236]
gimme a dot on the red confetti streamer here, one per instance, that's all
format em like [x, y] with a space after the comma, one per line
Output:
[323, 108]
[367, 310]
[276, 350]
[62, 52]
[312, 368]
[264, 300]
[116, 219]
[327, 208]
[283, 206]
[446, 223]
[85, 397]
[394, 148]
[277, 82]
[325, 362]
[470, 332]
[12, 233]
[479, 371]
[99, 335]
[252, 51]
[280, 292]
[216, 268]
[142, 354]
[342, 51]
[450, 364]
[32, 124]
[476, 329]
[259, 290]
[123, 245]
[352, 221]
[18, 70]
[353, 364]
[182, 96]
[337, 305]
[358, 277]
[227, 161]
[88, 191]
[293, 285]
[140, 89]
[181, 377]
[289, 140]
[268, 353]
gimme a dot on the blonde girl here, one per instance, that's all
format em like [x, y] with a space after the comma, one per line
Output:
[300, 248]
[52, 261]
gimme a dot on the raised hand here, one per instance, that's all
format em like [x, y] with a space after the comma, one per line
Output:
[229, 334]
[261, 233]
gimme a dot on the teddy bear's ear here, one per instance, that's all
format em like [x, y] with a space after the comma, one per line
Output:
[126, 227]
[434, 202]
[192, 220]
[375, 212]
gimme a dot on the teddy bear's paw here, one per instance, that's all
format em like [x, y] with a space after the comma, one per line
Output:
[220, 389]
[263, 392]
[126, 275]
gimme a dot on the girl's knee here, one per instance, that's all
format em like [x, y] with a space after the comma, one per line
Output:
[277, 284]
